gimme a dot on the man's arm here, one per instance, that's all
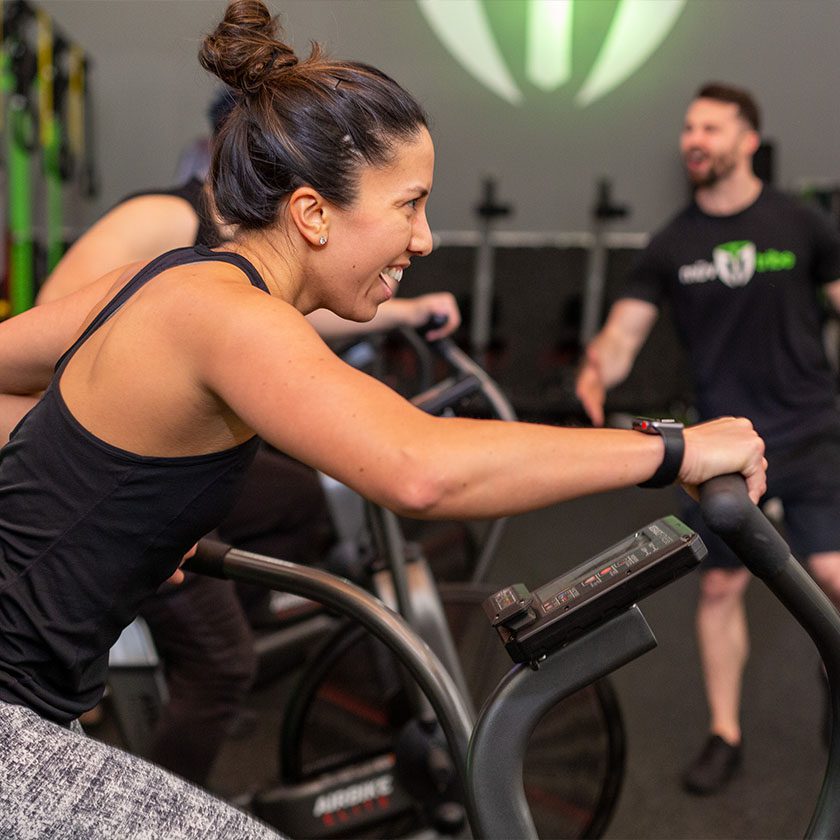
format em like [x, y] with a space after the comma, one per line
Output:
[832, 291]
[610, 355]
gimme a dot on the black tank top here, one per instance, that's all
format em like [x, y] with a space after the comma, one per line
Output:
[88, 531]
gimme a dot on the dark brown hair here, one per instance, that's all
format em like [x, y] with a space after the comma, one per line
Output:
[296, 122]
[747, 106]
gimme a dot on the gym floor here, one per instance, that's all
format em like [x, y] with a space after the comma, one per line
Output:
[660, 693]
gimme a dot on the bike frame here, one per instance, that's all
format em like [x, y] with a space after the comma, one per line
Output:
[490, 755]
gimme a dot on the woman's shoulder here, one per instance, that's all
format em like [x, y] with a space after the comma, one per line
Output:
[218, 298]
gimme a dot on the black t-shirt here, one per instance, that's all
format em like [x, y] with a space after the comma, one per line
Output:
[745, 293]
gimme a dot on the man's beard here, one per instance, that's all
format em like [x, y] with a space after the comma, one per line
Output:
[721, 168]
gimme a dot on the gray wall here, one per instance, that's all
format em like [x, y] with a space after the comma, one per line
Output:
[150, 97]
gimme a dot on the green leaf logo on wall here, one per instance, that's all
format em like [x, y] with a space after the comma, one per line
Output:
[637, 29]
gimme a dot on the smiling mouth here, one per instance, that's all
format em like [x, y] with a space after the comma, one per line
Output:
[391, 278]
[394, 274]
[696, 158]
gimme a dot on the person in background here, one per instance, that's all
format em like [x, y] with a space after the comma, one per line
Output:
[745, 269]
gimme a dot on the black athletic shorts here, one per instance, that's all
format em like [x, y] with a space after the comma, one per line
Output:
[806, 479]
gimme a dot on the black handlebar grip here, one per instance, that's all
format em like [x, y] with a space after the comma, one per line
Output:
[447, 394]
[729, 512]
[435, 322]
[209, 558]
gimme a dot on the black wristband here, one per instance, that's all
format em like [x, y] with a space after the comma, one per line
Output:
[671, 433]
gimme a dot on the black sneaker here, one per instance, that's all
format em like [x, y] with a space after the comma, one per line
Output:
[712, 770]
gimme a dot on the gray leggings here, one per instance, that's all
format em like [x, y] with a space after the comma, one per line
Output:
[57, 783]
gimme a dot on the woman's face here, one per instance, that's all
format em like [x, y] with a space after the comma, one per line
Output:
[372, 242]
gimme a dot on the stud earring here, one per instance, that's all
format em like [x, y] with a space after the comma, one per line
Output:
[322, 240]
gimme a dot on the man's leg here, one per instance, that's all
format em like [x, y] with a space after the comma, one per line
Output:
[724, 646]
[281, 511]
[825, 567]
[207, 647]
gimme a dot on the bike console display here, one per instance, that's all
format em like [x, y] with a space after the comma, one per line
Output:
[533, 624]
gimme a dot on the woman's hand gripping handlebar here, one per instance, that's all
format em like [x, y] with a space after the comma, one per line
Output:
[723, 446]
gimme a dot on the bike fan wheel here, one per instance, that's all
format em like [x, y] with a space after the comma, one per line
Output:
[353, 705]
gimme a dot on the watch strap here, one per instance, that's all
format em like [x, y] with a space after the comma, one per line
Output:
[671, 433]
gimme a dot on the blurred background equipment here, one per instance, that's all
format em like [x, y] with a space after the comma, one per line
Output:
[46, 163]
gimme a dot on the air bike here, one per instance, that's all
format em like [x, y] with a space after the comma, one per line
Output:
[562, 636]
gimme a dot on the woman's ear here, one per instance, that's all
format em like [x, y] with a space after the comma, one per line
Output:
[310, 215]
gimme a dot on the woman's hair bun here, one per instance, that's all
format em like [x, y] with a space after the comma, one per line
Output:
[316, 122]
[244, 51]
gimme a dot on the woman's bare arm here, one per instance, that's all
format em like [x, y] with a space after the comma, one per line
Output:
[275, 373]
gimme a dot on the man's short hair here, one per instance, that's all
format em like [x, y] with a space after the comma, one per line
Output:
[747, 107]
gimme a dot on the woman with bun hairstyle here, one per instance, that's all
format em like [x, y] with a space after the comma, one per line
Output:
[203, 628]
[134, 405]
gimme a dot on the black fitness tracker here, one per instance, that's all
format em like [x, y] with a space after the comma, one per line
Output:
[671, 433]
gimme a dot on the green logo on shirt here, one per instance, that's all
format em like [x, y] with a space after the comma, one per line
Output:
[735, 264]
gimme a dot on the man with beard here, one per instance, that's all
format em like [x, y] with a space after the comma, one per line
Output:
[744, 268]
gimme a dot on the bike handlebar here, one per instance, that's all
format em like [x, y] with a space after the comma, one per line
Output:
[209, 558]
[447, 394]
[456, 358]
[435, 322]
[218, 559]
[728, 511]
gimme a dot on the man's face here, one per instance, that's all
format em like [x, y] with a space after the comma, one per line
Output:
[715, 141]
